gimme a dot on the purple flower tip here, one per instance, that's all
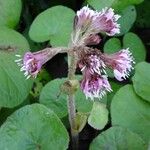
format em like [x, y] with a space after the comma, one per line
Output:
[95, 86]
[30, 64]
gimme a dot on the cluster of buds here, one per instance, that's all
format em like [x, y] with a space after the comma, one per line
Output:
[91, 61]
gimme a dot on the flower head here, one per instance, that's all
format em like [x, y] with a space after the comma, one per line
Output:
[88, 23]
[93, 39]
[31, 63]
[121, 63]
[84, 18]
[94, 85]
[106, 21]
[90, 60]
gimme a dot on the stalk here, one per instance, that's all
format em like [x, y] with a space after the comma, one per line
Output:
[71, 100]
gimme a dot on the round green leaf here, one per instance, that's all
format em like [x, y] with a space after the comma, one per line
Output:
[99, 116]
[140, 80]
[54, 24]
[129, 110]
[117, 138]
[100, 4]
[120, 4]
[13, 87]
[128, 17]
[33, 127]
[53, 98]
[10, 11]
[136, 46]
[112, 45]
[115, 87]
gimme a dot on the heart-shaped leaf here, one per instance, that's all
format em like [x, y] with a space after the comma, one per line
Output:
[10, 11]
[53, 98]
[140, 80]
[112, 45]
[128, 17]
[129, 110]
[99, 116]
[13, 87]
[136, 46]
[33, 127]
[100, 4]
[54, 24]
[117, 138]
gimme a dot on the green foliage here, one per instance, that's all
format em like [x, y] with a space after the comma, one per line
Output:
[117, 138]
[115, 87]
[136, 46]
[140, 80]
[13, 87]
[33, 127]
[10, 11]
[128, 17]
[52, 97]
[131, 41]
[116, 4]
[99, 116]
[121, 4]
[112, 45]
[100, 4]
[54, 24]
[38, 127]
[130, 111]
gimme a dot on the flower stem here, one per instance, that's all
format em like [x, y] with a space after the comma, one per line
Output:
[71, 100]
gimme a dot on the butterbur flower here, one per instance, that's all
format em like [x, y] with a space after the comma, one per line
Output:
[91, 61]
[94, 85]
[93, 39]
[31, 63]
[83, 18]
[88, 23]
[121, 63]
[106, 21]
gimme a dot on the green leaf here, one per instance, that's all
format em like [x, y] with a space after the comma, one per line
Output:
[53, 98]
[116, 4]
[140, 80]
[10, 11]
[13, 87]
[115, 87]
[120, 4]
[100, 4]
[54, 24]
[129, 110]
[112, 45]
[128, 17]
[33, 127]
[117, 138]
[99, 116]
[136, 46]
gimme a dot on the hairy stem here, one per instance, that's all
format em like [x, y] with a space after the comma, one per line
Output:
[71, 99]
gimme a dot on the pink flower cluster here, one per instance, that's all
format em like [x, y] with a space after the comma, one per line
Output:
[89, 23]
[95, 82]
[92, 62]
